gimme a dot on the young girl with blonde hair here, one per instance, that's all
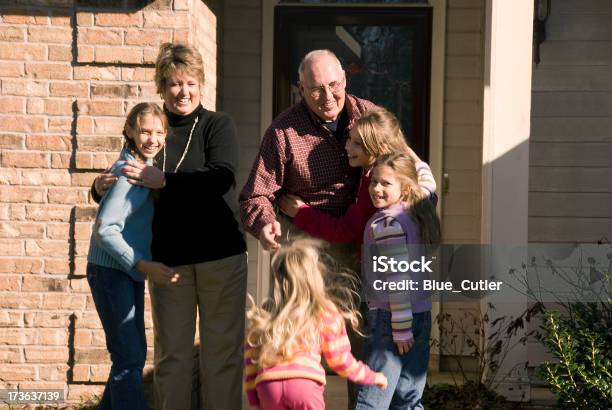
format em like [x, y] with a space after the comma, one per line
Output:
[398, 322]
[303, 318]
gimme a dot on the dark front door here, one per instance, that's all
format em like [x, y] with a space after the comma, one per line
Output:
[385, 52]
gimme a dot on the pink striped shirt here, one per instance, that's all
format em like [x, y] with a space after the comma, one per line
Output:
[306, 364]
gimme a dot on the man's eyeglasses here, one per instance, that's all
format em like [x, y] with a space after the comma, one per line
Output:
[334, 87]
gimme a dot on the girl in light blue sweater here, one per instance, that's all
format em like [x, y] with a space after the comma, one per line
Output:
[119, 260]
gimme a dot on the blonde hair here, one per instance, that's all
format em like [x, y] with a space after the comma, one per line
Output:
[132, 123]
[421, 209]
[177, 57]
[380, 132]
[305, 285]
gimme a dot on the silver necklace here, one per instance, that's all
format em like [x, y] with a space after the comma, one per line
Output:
[184, 152]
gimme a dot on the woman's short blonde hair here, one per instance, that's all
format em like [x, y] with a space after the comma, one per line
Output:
[177, 57]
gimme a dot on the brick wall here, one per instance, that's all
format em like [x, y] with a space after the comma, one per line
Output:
[69, 73]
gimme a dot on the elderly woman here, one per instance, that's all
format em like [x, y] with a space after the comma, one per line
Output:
[195, 231]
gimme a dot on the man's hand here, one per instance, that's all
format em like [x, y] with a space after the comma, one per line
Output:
[290, 204]
[158, 272]
[139, 173]
[104, 181]
[268, 235]
[403, 347]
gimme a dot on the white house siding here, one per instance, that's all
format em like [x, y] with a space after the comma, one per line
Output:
[463, 117]
[570, 198]
[570, 173]
[463, 121]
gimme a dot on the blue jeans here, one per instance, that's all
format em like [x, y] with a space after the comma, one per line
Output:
[119, 301]
[406, 374]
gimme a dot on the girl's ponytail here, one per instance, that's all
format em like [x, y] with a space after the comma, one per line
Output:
[425, 216]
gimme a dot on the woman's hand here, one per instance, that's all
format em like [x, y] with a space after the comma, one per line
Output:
[148, 176]
[158, 272]
[104, 181]
[403, 347]
[380, 381]
[290, 204]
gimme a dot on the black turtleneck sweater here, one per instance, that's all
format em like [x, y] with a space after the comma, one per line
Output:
[196, 213]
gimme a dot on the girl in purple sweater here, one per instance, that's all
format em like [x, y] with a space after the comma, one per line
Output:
[398, 321]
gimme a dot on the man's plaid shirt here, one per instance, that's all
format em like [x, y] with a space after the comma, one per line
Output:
[299, 156]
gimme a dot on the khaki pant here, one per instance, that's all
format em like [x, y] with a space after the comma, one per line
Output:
[217, 290]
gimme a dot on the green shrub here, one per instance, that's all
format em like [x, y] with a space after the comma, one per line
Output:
[581, 341]
[577, 331]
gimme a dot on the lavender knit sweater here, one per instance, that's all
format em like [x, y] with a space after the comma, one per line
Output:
[391, 232]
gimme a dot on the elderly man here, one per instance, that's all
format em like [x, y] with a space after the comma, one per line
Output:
[302, 153]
